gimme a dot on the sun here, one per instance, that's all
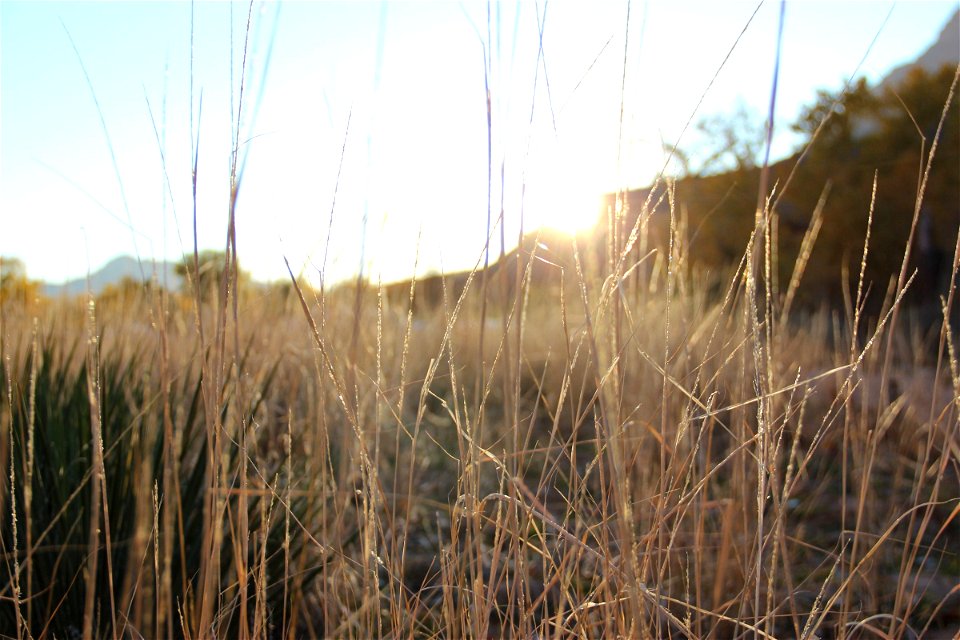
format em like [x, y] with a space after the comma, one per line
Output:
[563, 201]
[571, 213]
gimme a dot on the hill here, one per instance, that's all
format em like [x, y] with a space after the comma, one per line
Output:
[112, 273]
[945, 51]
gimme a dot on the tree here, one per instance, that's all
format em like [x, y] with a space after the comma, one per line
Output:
[11, 269]
[887, 132]
[862, 132]
[14, 283]
[128, 290]
[209, 279]
[728, 142]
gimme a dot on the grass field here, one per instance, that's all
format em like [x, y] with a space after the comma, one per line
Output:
[619, 453]
[598, 438]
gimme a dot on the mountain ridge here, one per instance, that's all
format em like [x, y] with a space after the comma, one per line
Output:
[112, 273]
[944, 50]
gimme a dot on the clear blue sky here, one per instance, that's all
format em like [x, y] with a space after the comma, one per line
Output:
[410, 77]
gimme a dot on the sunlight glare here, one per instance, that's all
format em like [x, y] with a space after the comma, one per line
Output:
[565, 193]
[568, 207]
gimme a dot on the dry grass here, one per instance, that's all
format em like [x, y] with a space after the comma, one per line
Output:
[631, 458]
[625, 447]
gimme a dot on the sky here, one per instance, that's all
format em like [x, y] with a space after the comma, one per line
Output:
[361, 127]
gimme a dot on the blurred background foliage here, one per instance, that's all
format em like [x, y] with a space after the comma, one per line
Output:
[885, 131]
[15, 286]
